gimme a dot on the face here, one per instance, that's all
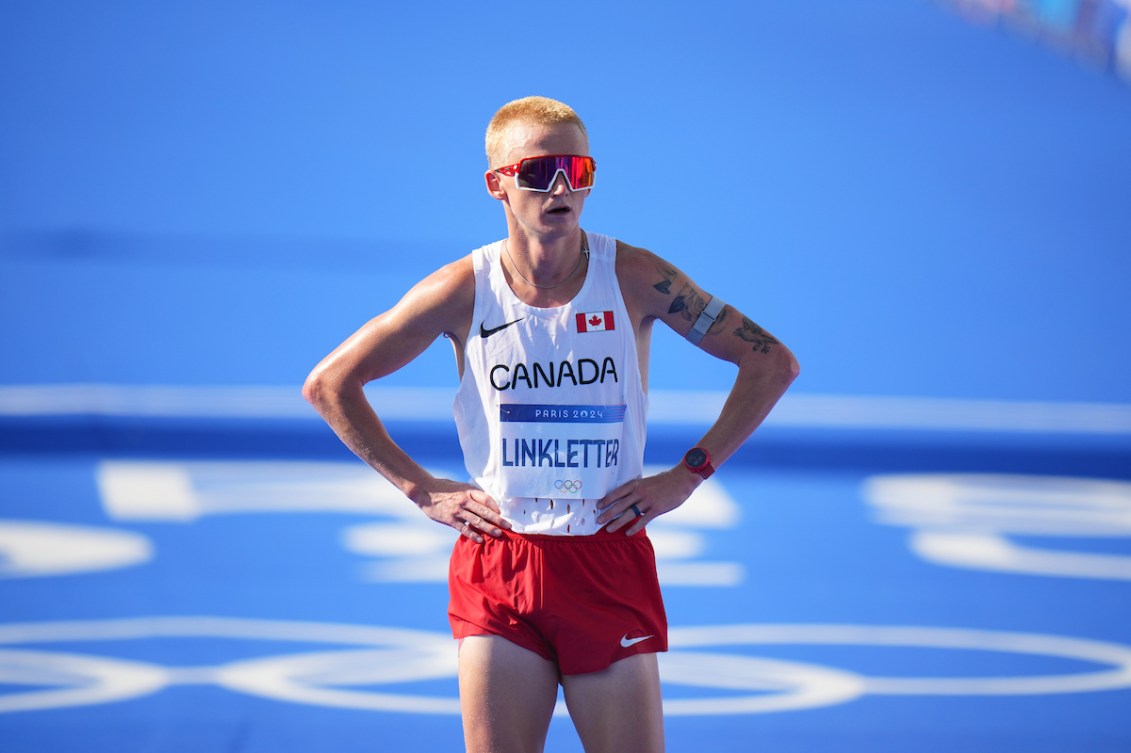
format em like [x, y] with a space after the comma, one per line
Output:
[545, 215]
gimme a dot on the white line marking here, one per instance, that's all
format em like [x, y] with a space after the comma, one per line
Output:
[379, 661]
[966, 520]
[667, 407]
[32, 548]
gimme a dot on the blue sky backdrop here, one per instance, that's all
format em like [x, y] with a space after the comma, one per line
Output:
[217, 193]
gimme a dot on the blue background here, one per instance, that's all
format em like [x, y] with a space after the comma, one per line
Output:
[216, 194]
[917, 205]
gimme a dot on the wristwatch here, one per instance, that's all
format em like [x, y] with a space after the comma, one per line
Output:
[698, 461]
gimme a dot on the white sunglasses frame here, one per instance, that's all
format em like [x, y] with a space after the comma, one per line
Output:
[554, 179]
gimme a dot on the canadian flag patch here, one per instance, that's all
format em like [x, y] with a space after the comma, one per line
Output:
[599, 321]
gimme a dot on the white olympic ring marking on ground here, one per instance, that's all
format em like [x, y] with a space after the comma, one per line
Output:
[1034, 644]
[966, 519]
[86, 679]
[394, 655]
[117, 680]
[796, 686]
[401, 546]
[34, 548]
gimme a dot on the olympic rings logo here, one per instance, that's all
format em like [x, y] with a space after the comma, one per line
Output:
[568, 486]
[388, 658]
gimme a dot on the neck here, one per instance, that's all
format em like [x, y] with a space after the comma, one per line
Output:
[545, 248]
[545, 264]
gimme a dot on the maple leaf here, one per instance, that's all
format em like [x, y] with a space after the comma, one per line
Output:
[594, 320]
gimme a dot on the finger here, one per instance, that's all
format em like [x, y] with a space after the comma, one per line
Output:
[626, 517]
[635, 528]
[491, 517]
[489, 526]
[476, 524]
[636, 519]
[488, 510]
[497, 526]
[484, 499]
[469, 531]
[621, 509]
[628, 523]
[614, 516]
[621, 491]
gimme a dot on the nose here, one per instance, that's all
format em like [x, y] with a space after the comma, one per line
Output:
[560, 184]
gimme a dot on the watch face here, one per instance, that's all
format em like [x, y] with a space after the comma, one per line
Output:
[696, 458]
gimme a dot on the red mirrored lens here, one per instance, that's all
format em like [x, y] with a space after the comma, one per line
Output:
[538, 173]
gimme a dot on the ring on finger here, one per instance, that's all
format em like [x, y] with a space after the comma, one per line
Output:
[636, 511]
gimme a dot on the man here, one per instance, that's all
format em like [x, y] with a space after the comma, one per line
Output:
[552, 578]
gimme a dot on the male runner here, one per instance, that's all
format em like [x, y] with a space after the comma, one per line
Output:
[553, 578]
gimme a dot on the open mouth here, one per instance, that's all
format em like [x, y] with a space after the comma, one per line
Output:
[559, 210]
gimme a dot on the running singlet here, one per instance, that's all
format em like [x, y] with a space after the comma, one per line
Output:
[551, 409]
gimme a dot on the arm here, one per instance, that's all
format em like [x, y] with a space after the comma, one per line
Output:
[656, 290]
[441, 304]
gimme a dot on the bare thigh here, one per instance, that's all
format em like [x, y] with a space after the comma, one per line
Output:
[618, 709]
[507, 696]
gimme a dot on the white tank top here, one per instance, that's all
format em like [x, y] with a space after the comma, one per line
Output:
[551, 408]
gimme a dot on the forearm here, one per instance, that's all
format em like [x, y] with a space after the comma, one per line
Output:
[762, 380]
[347, 411]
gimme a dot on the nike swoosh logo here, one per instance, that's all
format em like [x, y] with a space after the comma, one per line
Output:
[626, 641]
[485, 333]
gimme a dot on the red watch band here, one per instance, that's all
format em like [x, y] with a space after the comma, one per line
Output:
[698, 460]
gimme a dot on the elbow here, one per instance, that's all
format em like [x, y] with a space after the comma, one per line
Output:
[790, 368]
[316, 390]
[312, 389]
[328, 387]
[775, 369]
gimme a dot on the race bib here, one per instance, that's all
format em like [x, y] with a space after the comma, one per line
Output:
[560, 451]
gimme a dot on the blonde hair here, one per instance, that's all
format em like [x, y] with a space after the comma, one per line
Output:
[540, 110]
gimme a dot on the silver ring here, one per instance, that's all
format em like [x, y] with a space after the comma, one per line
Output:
[466, 525]
[636, 510]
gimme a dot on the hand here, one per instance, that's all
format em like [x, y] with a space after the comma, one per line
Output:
[469, 510]
[651, 497]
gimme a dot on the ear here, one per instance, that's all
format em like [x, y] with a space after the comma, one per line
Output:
[494, 185]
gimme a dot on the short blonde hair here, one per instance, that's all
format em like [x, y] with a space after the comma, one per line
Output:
[540, 110]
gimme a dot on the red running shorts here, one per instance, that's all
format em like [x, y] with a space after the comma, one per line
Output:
[582, 602]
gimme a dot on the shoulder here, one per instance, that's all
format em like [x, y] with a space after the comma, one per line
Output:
[646, 279]
[444, 298]
[637, 265]
[453, 282]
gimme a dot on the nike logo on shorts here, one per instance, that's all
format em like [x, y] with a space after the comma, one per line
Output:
[626, 642]
[485, 333]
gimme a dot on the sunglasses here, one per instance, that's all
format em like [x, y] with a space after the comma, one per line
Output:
[539, 173]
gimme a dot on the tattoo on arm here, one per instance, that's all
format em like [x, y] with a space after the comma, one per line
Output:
[668, 274]
[756, 336]
[689, 303]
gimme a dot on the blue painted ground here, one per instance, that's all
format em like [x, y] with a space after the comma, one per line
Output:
[199, 201]
[273, 547]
